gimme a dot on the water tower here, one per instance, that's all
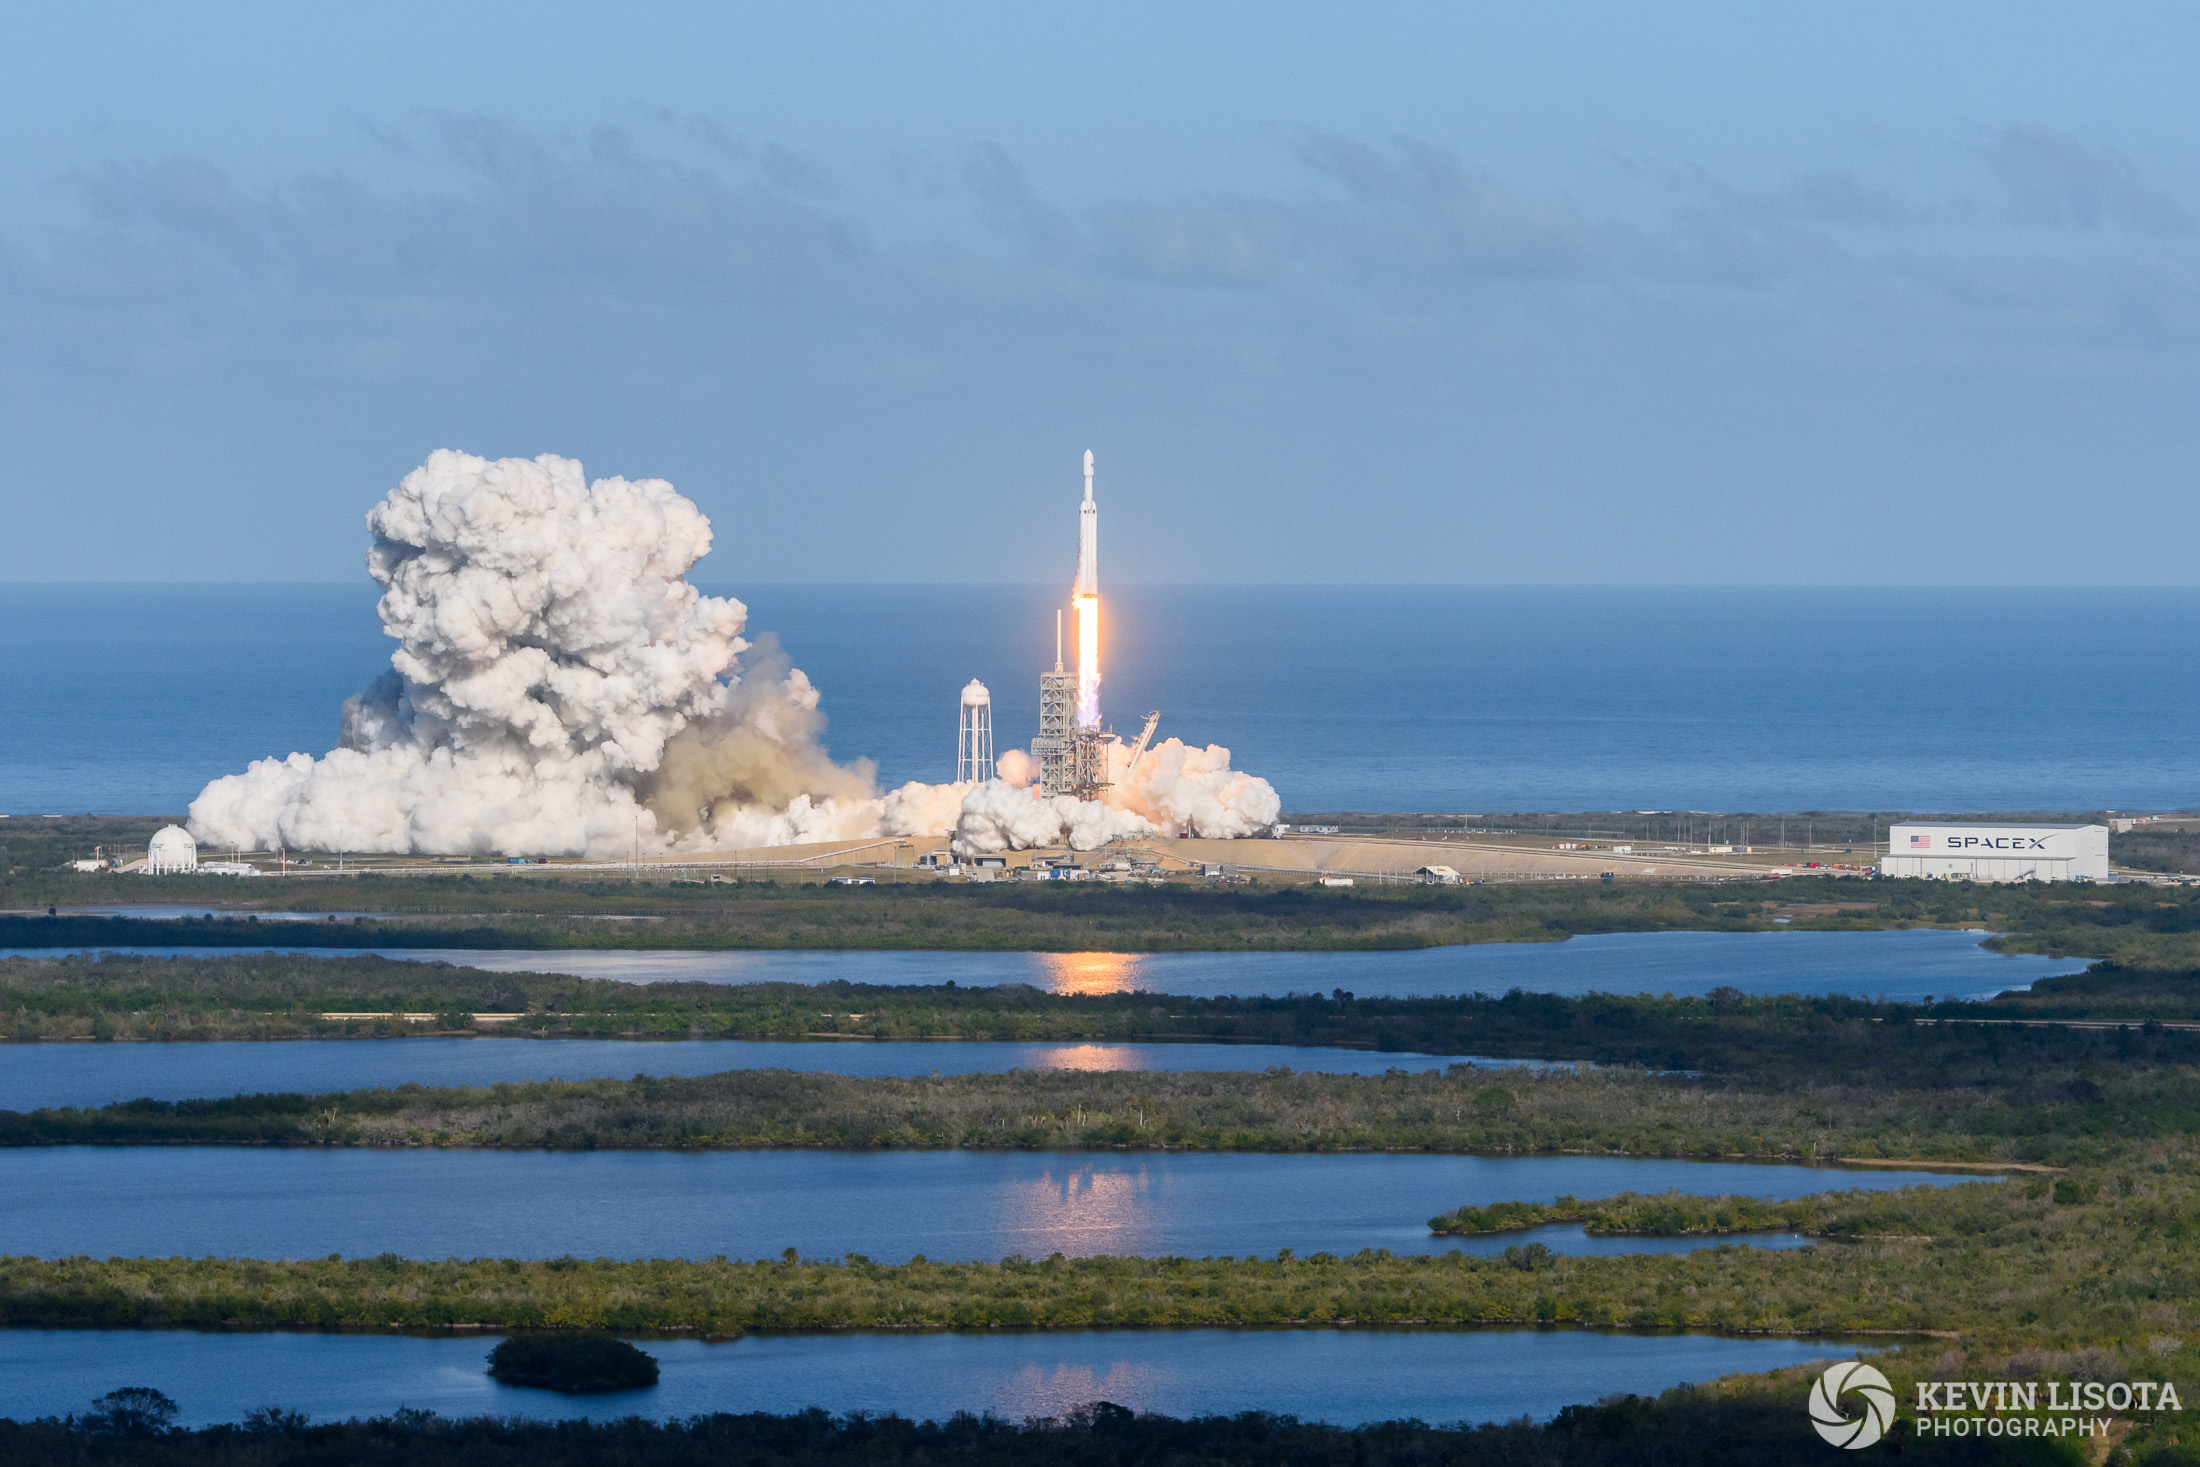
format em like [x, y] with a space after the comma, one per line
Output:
[974, 736]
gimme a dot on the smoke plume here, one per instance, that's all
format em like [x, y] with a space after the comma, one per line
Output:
[559, 688]
[1174, 790]
[753, 773]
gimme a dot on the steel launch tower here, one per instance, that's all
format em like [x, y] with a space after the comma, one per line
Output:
[1055, 748]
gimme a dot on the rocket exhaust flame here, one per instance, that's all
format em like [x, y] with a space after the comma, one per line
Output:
[1088, 662]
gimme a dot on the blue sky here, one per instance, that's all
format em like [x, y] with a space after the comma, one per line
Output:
[1450, 293]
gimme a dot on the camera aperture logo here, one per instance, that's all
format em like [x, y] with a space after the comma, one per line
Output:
[1875, 1397]
[1962, 1407]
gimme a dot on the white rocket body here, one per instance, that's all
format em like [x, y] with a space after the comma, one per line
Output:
[1088, 539]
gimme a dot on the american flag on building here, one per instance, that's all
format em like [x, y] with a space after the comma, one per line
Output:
[1921, 840]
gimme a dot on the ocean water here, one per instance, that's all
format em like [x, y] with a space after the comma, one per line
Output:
[1341, 1376]
[305, 1202]
[129, 698]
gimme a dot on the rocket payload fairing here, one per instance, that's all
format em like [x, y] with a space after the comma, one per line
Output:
[1088, 540]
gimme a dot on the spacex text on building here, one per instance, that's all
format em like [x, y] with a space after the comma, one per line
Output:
[1982, 852]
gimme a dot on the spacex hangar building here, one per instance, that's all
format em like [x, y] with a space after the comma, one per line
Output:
[1997, 852]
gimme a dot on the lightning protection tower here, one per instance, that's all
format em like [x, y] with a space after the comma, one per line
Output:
[974, 736]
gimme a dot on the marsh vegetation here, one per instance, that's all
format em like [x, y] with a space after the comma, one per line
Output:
[290, 995]
[2137, 925]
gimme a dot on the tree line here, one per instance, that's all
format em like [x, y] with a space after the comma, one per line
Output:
[1688, 1427]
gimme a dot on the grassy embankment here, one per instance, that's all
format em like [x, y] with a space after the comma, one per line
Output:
[1935, 1285]
[1846, 1215]
[2137, 926]
[1798, 1083]
[559, 912]
[284, 996]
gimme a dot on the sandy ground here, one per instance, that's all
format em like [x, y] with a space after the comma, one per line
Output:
[1361, 857]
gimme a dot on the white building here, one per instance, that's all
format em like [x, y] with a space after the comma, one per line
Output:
[1997, 852]
[172, 851]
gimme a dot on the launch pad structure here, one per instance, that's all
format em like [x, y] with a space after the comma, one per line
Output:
[1073, 760]
[1074, 753]
[1072, 747]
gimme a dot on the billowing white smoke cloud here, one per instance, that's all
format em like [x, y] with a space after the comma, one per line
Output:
[1176, 790]
[560, 689]
[923, 809]
[1000, 817]
[1192, 791]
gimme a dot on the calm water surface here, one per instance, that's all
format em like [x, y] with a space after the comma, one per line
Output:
[1400, 698]
[33, 1075]
[887, 1205]
[1342, 1376]
[169, 912]
[1904, 965]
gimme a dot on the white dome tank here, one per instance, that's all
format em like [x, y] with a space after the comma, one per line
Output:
[975, 695]
[172, 851]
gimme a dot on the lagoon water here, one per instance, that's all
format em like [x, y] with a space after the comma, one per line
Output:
[888, 1205]
[1905, 965]
[1346, 1376]
[1347, 698]
[1490, 699]
[34, 1075]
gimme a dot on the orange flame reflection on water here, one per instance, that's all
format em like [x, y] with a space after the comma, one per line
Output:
[1088, 972]
[1093, 1057]
[1079, 1210]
